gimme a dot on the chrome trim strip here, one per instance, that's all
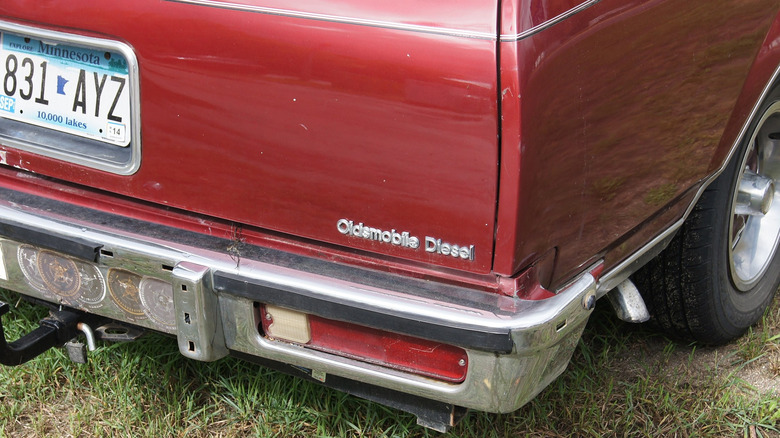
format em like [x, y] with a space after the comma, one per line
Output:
[506, 38]
[219, 4]
[125, 167]
[624, 269]
[475, 337]
[630, 265]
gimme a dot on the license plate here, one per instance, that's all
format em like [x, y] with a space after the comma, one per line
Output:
[56, 85]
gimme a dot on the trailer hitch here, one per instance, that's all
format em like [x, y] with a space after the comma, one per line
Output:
[55, 330]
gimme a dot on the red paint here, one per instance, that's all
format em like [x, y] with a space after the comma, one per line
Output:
[588, 142]
[611, 114]
[292, 124]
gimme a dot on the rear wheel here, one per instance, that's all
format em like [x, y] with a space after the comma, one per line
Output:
[722, 268]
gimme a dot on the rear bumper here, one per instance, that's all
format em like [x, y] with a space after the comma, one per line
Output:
[203, 291]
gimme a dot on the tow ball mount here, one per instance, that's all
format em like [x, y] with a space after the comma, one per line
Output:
[54, 331]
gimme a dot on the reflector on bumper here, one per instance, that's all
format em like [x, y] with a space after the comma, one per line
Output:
[286, 324]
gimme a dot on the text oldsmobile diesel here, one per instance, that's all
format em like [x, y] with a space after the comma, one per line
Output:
[418, 203]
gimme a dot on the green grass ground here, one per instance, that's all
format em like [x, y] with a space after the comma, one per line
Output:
[623, 381]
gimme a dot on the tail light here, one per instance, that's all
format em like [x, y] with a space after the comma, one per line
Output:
[405, 353]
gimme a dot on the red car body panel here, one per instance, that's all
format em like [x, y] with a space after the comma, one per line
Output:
[272, 119]
[328, 121]
[601, 147]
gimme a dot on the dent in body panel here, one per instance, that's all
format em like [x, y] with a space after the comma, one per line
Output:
[623, 107]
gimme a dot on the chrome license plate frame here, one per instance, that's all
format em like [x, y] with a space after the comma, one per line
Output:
[70, 97]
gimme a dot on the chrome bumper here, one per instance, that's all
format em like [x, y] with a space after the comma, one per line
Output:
[208, 294]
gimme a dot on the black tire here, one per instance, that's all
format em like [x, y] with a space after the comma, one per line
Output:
[697, 288]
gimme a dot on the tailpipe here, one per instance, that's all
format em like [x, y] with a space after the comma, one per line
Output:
[628, 303]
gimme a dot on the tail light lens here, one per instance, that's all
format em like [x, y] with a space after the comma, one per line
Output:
[405, 353]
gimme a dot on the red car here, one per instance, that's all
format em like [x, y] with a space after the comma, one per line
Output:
[414, 202]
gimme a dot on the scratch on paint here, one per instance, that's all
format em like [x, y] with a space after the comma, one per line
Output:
[22, 165]
[3, 157]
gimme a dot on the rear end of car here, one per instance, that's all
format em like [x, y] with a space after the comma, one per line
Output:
[309, 190]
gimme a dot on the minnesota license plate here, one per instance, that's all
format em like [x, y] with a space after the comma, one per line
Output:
[56, 85]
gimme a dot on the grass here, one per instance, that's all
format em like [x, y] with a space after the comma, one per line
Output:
[623, 381]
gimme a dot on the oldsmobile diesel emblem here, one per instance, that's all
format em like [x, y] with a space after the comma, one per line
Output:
[392, 237]
[404, 239]
[437, 246]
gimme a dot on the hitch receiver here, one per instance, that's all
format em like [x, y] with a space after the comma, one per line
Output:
[54, 331]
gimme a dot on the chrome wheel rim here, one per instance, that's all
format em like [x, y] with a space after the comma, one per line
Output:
[754, 237]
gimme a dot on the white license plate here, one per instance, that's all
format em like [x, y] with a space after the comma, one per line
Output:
[76, 90]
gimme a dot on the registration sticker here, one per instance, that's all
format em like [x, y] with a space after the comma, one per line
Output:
[64, 87]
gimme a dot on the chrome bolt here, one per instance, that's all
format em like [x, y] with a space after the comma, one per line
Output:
[589, 302]
[267, 316]
[462, 362]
